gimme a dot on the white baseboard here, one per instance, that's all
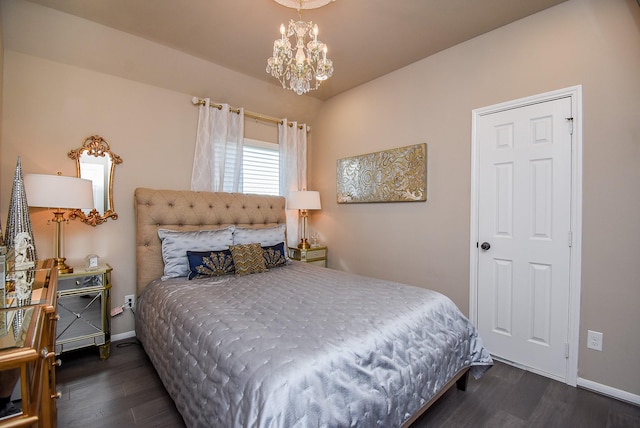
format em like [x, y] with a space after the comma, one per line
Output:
[611, 392]
[125, 335]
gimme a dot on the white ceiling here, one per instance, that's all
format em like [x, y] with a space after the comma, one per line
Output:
[366, 38]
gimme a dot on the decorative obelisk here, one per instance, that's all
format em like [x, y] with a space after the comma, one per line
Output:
[21, 250]
[18, 220]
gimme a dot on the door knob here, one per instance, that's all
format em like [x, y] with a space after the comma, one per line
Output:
[485, 246]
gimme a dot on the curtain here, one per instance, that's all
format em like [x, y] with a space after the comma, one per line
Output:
[217, 162]
[292, 142]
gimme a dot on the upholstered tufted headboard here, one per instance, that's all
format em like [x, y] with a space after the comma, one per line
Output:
[187, 210]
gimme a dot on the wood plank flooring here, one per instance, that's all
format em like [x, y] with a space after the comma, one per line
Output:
[125, 391]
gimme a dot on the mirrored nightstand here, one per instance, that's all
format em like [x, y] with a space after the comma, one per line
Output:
[84, 302]
[314, 255]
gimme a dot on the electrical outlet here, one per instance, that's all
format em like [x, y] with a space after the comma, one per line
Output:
[594, 340]
[130, 301]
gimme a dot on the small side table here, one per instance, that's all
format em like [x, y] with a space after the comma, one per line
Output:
[314, 255]
[84, 306]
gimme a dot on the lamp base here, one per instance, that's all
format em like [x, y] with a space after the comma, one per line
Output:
[62, 266]
[304, 244]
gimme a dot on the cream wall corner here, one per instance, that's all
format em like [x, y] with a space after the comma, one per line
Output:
[66, 78]
[588, 42]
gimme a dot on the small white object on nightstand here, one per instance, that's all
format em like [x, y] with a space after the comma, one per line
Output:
[92, 261]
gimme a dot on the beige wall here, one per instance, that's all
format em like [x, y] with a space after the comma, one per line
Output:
[139, 101]
[589, 42]
[1, 80]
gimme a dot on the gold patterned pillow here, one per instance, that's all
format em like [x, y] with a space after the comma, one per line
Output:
[248, 258]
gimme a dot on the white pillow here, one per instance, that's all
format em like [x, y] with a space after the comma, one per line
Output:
[266, 236]
[175, 245]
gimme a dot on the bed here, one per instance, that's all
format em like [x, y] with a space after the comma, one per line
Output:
[295, 345]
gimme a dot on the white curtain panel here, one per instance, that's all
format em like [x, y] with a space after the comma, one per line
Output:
[217, 162]
[292, 142]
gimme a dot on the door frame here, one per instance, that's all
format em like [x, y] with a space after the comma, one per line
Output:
[575, 264]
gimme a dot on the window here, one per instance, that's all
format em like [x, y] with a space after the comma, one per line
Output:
[260, 167]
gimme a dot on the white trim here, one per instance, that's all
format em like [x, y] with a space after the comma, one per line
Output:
[121, 336]
[575, 93]
[609, 391]
[528, 369]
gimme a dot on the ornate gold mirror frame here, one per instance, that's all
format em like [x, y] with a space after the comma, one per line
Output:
[95, 161]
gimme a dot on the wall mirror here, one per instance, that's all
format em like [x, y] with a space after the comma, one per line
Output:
[96, 162]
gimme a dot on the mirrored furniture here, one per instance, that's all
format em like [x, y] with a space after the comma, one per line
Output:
[313, 255]
[96, 162]
[84, 302]
[27, 342]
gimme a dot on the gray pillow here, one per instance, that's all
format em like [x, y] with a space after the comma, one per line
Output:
[266, 236]
[175, 245]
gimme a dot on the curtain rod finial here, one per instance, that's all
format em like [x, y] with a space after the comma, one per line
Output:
[195, 100]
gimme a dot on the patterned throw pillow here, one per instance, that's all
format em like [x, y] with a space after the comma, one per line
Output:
[248, 258]
[274, 255]
[204, 264]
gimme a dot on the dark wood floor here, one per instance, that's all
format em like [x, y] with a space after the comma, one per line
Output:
[124, 391]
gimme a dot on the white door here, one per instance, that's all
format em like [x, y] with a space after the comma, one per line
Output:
[524, 235]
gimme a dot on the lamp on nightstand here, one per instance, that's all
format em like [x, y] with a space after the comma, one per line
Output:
[60, 193]
[304, 200]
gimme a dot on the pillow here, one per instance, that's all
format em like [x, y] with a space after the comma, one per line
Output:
[248, 258]
[274, 255]
[204, 264]
[175, 245]
[265, 236]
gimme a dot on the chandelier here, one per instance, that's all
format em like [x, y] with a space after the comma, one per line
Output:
[302, 66]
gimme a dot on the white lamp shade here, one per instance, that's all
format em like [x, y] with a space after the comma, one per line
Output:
[304, 200]
[58, 191]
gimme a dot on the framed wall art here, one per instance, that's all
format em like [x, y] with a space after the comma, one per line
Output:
[394, 175]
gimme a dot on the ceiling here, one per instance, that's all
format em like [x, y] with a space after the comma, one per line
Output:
[366, 38]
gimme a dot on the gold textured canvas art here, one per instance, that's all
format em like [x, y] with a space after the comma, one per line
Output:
[394, 175]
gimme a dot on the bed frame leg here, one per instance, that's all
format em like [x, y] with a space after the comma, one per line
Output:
[461, 383]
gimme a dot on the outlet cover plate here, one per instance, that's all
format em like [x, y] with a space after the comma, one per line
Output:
[594, 340]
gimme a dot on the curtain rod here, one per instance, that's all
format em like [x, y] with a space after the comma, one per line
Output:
[275, 120]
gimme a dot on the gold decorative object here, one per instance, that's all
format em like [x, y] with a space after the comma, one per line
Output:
[395, 175]
[96, 162]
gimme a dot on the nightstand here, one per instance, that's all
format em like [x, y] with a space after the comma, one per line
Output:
[84, 306]
[314, 255]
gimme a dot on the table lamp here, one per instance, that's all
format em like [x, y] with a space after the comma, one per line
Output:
[304, 200]
[60, 193]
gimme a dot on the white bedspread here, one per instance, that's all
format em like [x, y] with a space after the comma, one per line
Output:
[303, 346]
